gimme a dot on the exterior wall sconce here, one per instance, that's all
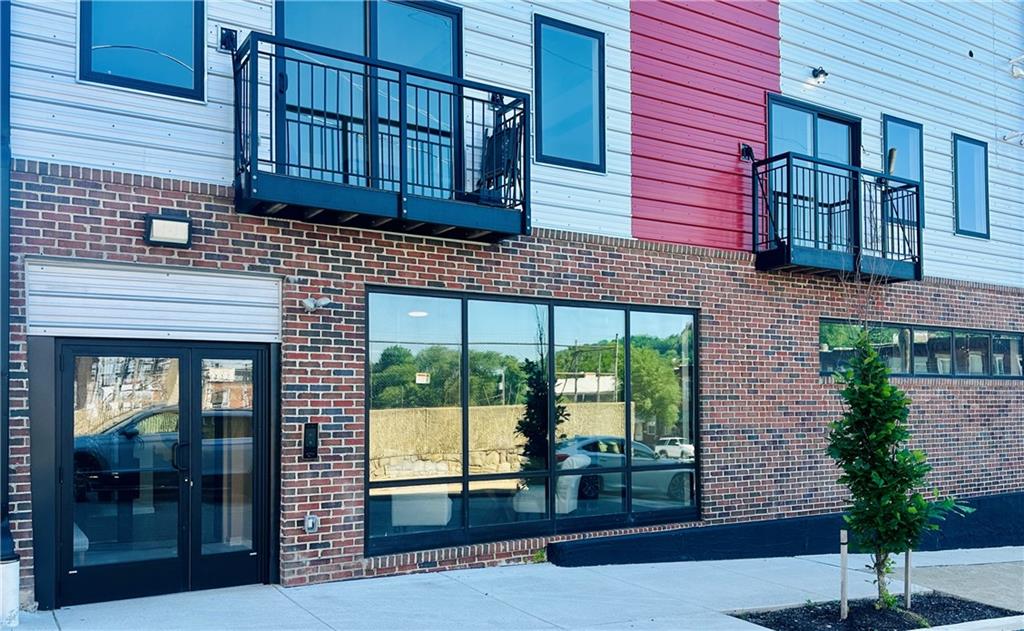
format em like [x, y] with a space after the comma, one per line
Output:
[746, 152]
[1017, 67]
[315, 304]
[174, 232]
[820, 75]
[1015, 136]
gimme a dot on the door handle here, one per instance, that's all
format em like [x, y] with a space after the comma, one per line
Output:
[175, 462]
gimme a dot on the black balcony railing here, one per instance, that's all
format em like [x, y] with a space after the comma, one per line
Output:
[818, 215]
[333, 137]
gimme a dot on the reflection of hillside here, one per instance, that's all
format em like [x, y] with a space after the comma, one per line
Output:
[427, 442]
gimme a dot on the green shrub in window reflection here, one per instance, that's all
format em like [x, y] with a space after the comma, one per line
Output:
[534, 423]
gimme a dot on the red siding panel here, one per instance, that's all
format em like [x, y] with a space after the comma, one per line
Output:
[700, 71]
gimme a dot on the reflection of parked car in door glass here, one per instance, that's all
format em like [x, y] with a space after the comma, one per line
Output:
[609, 452]
[674, 447]
[144, 441]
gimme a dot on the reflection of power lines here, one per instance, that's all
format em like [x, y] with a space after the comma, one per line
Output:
[593, 386]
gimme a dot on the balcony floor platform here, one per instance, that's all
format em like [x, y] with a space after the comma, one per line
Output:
[325, 202]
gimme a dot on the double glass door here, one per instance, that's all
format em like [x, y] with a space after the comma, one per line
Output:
[164, 451]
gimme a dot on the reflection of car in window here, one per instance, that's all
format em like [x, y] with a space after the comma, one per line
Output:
[609, 452]
[674, 447]
[144, 442]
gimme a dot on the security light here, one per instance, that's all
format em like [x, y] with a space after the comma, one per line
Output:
[312, 305]
[1017, 67]
[820, 75]
[175, 232]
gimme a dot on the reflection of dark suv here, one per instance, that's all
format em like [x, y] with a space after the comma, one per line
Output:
[145, 441]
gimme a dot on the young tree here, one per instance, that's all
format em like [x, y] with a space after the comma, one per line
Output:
[869, 443]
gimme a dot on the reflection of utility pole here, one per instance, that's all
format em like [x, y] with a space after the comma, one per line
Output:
[615, 370]
[501, 386]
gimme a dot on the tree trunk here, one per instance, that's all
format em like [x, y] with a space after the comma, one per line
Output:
[881, 567]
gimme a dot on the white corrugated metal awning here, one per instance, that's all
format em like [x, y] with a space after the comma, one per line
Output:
[79, 298]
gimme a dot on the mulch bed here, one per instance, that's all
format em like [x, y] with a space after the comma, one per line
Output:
[927, 610]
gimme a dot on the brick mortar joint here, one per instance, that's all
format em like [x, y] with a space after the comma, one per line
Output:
[552, 235]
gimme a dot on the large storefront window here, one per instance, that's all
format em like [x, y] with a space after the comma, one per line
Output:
[493, 418]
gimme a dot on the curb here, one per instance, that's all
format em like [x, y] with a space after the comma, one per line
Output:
[1012, 623]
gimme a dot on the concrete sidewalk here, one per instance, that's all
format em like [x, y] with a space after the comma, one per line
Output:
[688, 596]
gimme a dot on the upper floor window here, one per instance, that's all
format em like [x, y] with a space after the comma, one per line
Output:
[569, 66]
[903, 156]
[970, 186]
[423, 36]
[903, 139]
[804, 129]
[151, 45]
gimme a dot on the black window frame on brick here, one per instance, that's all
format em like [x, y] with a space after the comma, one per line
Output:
[551, 523]
[952, 332]
[540, 21]
[197, 92]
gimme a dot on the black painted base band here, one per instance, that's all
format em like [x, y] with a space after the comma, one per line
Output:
[997, 521]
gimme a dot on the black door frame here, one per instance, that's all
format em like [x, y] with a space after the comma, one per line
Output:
[48, 456]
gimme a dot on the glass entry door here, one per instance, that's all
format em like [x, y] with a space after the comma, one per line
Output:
[163, 447]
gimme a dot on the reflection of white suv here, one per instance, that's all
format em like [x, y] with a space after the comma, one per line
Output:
[674, 447]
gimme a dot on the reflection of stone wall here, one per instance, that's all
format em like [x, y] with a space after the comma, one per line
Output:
[427, 442]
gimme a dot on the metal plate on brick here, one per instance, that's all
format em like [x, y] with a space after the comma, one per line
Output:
[93, 299]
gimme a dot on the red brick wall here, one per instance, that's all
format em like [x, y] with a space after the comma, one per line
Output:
[763, 406]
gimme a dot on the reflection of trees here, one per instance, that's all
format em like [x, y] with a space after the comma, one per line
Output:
[533, 425]
[393, 378]
[657, 392]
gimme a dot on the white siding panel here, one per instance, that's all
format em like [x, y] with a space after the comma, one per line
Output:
[911, 60]
[89, 299]
[57, 118]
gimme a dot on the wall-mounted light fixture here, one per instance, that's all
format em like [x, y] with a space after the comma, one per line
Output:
[175, 232]
[1018, 136]
[1017, 67]
[746, 152]
[820, 75]
[313, 304]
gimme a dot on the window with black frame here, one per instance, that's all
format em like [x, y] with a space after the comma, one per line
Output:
[970, 186]
[489, 417]
[569, 82]
[925, 351]
[142, 44]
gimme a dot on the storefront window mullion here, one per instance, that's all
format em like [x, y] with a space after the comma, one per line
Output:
[627, 395]
[552, 411]
[464, 395]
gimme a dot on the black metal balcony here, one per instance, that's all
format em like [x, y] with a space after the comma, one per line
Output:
[329, 137]
[823, 217]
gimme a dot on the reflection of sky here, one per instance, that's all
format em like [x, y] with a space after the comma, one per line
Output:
[507, 327]
[502, 322]
[658, 324]
[569, 86]
[970, 186]
[907, 142]
[390, 320]
[582, 325]
[149, 41]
